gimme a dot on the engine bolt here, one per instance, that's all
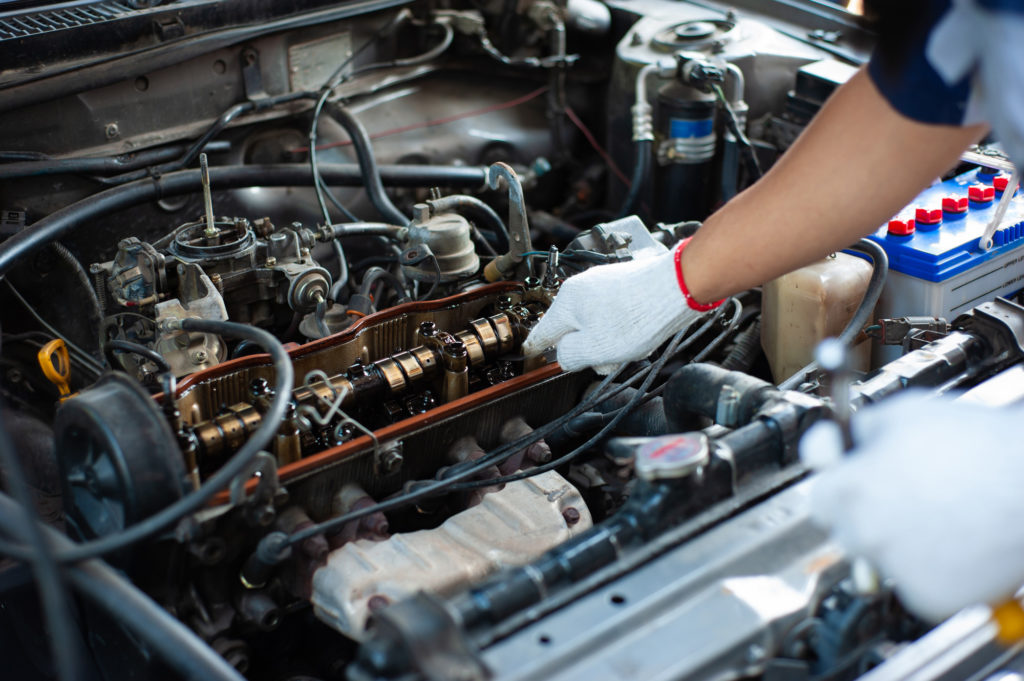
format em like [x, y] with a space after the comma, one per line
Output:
[199, 357]
[264, 515]
[391, 460]
[209, 552]
[420, 213]
[112, 131]
[571, 516]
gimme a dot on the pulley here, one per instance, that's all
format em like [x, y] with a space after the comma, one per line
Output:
[118, 457]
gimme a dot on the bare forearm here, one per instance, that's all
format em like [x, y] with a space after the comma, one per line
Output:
[856, 165]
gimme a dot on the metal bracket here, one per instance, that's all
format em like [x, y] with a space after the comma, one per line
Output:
[1000, 324]
[519, 230]
[264, 466]
[985, 242]
[422, 635]
[168, 28]
[624, 239]
[251, 75]
[333, 409]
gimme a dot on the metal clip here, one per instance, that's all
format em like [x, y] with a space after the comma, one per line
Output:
[264, 468]
[333, 408]
[985, 242]
[252, 77]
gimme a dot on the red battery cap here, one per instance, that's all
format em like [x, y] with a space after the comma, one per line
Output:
[954, 204]
[1000, 183]
[901, 227]
[928, 216]
[980, 193]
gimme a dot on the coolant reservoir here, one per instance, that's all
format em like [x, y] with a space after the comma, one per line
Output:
[802, 308]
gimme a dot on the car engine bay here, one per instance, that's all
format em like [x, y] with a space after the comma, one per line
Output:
[267, 273]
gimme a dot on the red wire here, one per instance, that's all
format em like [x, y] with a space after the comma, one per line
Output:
[597, 147]
[486, 110]
[439, 121]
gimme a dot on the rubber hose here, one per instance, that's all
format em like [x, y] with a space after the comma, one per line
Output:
[245, 348]
[375, 274]
[367, 164]
[65, 640]
[344, 229]
[85, 283]
[876, 283]
[474, 209]
[83, 277]
[235, 466]
[136, 349]
[746, 146]
[695, 389]
[646, 419]
[67, 219]
[175, 643]
[745, 350]
[643, 153]
[98, 166]
[342, 281]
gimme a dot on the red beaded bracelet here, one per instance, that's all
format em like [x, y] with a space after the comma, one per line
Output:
[694, 305]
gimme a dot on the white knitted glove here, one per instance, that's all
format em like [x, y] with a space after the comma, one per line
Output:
[981, 40]
[612, 314]
[931, 495]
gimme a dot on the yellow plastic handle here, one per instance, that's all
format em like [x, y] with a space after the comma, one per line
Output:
[1009, 618]
[56, 365]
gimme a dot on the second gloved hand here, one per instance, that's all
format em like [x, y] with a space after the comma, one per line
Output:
[931, 494]
[612, 314]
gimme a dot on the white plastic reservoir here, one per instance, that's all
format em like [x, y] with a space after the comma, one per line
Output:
[802, 308]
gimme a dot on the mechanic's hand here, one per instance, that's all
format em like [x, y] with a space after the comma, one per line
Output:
[931, 494]
[981, 41]
[612, 314]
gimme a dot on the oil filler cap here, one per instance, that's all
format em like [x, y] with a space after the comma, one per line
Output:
[672, 456]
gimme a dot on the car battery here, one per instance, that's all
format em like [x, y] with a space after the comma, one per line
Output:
[936, 265]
